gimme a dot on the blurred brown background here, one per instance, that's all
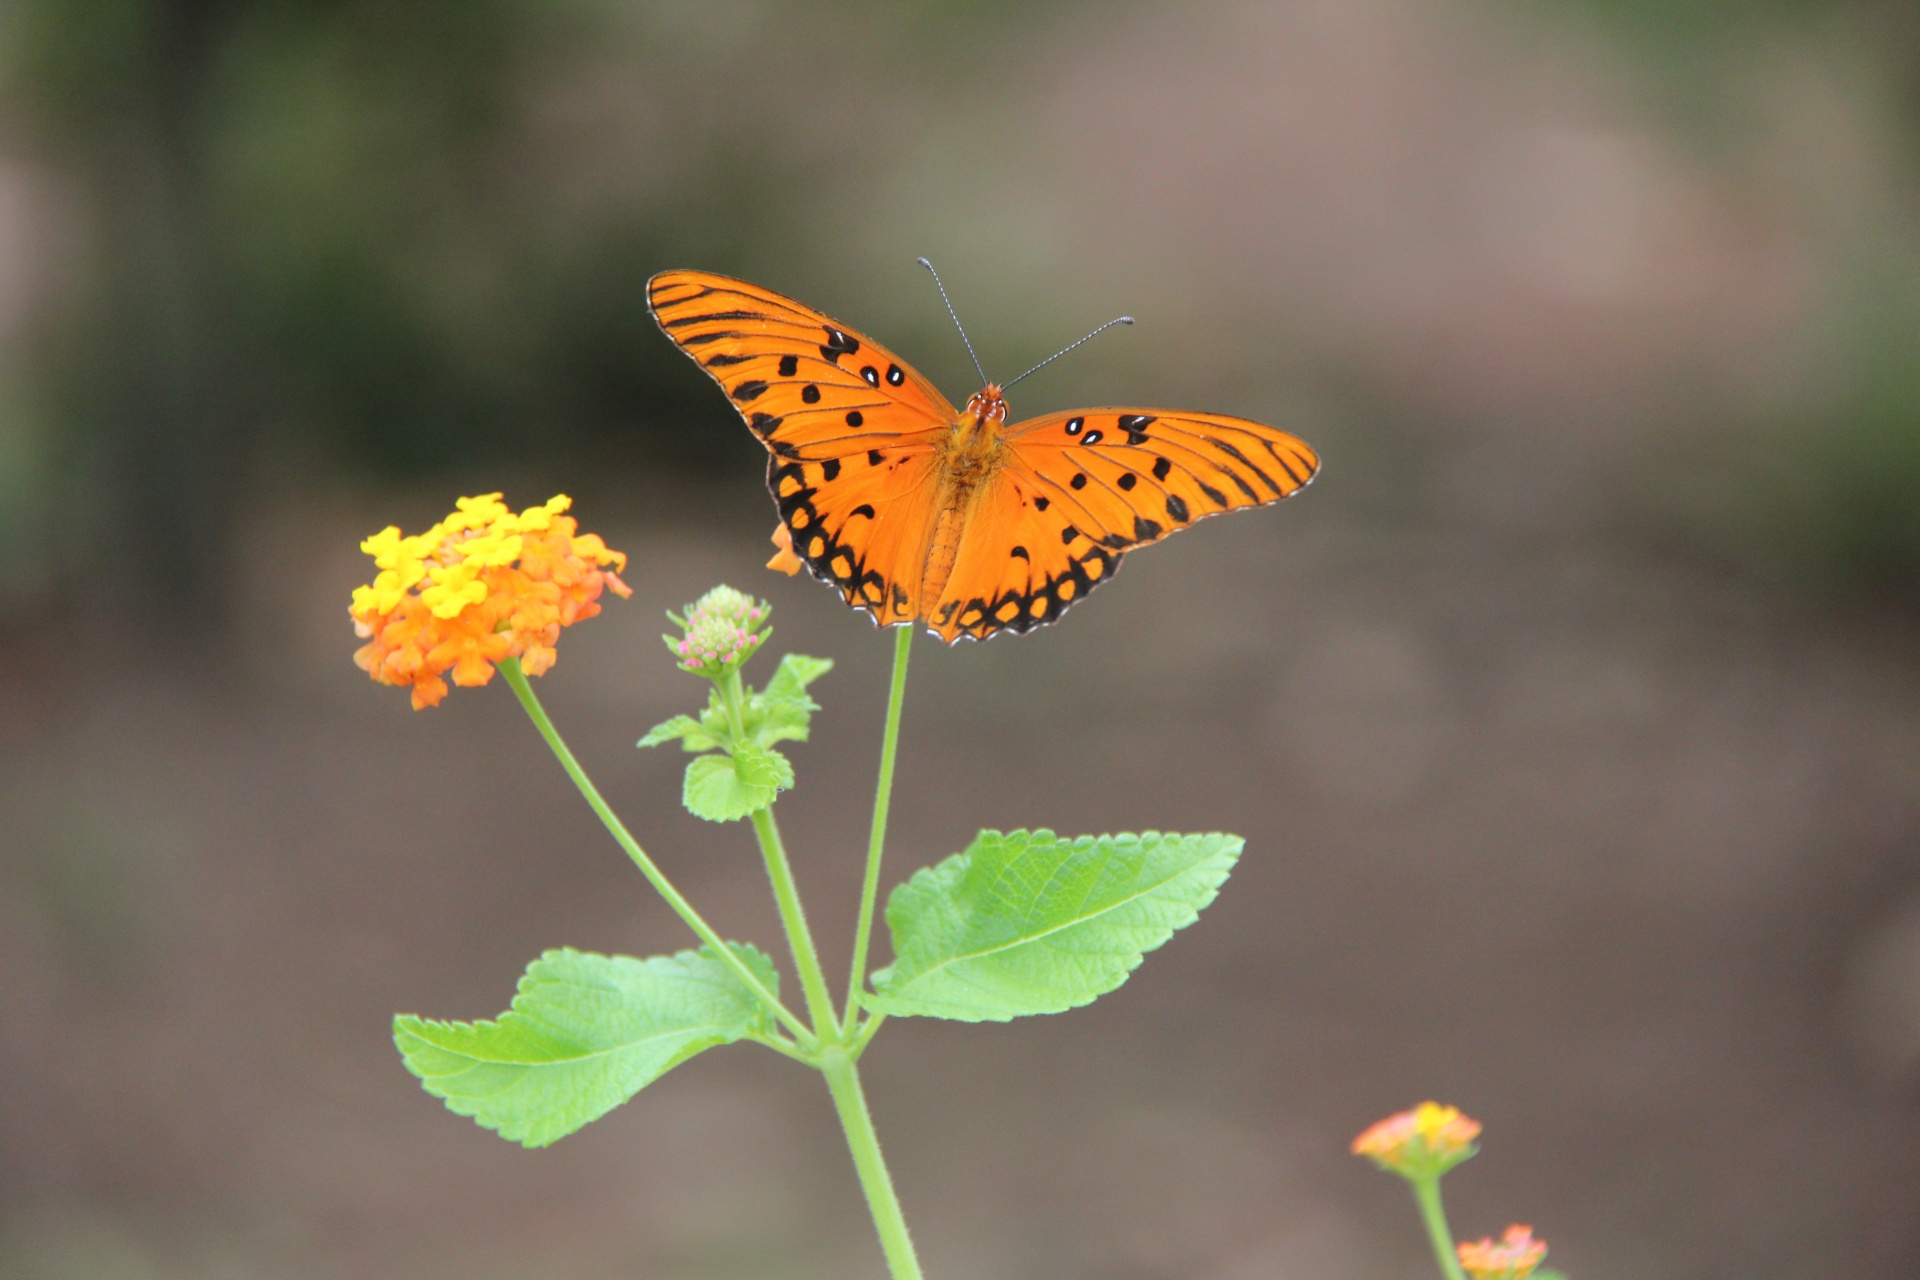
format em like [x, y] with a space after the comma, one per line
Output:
[1573, 718]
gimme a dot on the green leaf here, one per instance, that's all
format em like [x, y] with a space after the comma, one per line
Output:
[783, 711]
[1028, 923]
[723, 788]
[692, 734]
[585, 1033]
[795, 673]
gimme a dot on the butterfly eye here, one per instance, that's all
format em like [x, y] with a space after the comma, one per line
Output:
[871, 374]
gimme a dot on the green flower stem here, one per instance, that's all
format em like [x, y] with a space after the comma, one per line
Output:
[517, 680]
[806, 961]
[883, 798]
[843, 1080]
[858, 1045]
[1426, 1193]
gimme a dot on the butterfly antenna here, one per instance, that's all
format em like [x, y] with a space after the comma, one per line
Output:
[956, 319]
[1089, 338]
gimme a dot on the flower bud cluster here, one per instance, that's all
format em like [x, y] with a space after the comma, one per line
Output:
[721, 631]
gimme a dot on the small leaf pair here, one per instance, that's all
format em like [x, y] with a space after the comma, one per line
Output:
[749, 773]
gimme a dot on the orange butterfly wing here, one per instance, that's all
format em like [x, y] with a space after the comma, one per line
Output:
[1077, 490]
[850, 427]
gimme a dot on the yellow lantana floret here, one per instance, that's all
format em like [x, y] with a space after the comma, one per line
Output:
[481, 586]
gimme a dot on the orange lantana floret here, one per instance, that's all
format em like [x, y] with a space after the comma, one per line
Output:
[1422, 1143]
[481, 586]
[783, 557]
[1513, 1258]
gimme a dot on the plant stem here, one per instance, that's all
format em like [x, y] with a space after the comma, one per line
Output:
[1426, 1193]
[882, 800]
[517, 680]
[843, 1080]
[806, 961]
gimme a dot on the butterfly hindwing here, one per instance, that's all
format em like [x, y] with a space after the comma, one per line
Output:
[862, 524]
[808, 386]
[1020, 563]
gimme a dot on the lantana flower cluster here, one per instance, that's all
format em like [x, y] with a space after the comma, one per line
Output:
[722, 630]
[481, 586]
[1422, 1143]
[1513, 1257]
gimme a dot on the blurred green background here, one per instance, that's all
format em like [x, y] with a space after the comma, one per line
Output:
[1573, 716]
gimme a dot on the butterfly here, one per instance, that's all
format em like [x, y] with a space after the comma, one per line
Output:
[919, 513]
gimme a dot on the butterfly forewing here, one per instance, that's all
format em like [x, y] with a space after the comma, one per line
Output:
[809, 386]
[1127, 477]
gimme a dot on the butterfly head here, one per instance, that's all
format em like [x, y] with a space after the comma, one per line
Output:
[988, 405]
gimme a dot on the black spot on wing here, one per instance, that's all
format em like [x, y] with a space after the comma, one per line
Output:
[810, 393]
[751, 390]
[855, 418]
[830, 469]
[1214, 496]
[722, 360]
[837, 344]
[1145, 530]
[1021, 553]
[875, 457]
[1161, 466]
[789, 365]
[864, 509]
[1041, 502]
[1177, 507]
[1128, 480]
[764, 423]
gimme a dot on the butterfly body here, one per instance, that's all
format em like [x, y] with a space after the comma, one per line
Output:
[920, 513]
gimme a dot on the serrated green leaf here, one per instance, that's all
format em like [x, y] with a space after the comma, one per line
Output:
[763, 767]
[782, 711]
[585, 1033]
[692, 735]
[723, 788]
[795, 673]
[1026, 923]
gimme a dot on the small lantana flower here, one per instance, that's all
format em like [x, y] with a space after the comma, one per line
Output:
[1513, 1258]
[1420, 1144]
[722, 630]
[482, 586]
